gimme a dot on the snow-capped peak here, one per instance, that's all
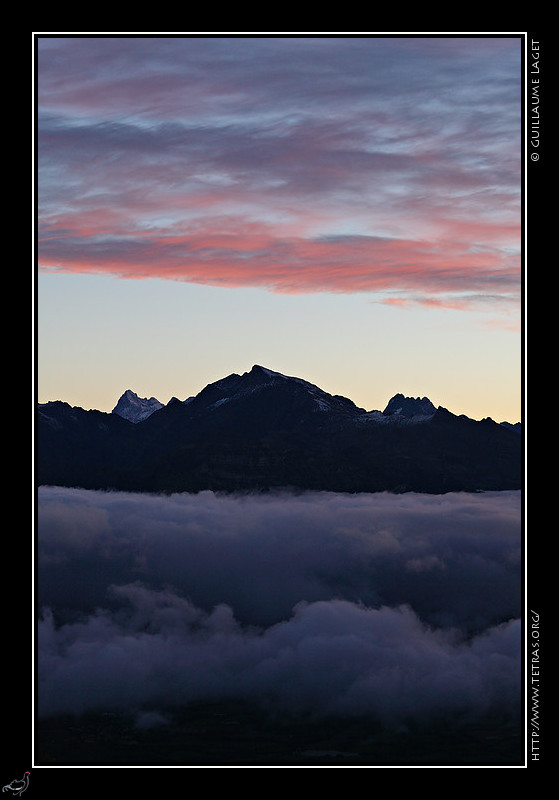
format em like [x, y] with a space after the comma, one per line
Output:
[270, 372]
[257, 370]
[134, 408]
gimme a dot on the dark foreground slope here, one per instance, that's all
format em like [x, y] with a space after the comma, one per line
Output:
[263, 430]
[237, 734]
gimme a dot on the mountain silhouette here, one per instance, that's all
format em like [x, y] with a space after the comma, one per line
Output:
[263, 430]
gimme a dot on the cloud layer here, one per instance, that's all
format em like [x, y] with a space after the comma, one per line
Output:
[329, 658]
[321, 603]
[292, 164]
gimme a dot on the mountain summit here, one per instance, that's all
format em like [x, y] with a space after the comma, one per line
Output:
[410, 406]
[134, 408]
[234, 387]
[264, 430]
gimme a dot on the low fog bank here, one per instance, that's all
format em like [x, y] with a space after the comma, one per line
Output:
[330, 657]
[394, 605]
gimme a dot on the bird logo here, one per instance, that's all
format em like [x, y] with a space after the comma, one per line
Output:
[17, 787]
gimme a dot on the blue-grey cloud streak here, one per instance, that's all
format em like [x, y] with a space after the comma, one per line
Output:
[146, 143]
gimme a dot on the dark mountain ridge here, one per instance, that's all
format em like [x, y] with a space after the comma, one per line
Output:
[263, 430]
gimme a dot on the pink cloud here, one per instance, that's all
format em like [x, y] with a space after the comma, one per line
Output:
[256, 255]
[462, 302]
[294, 165]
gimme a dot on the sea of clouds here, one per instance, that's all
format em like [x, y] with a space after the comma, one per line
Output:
[398, 606]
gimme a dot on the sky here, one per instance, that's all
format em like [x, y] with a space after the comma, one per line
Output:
[344, 209]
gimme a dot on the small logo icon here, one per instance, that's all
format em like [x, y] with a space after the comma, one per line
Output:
[17, 787]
